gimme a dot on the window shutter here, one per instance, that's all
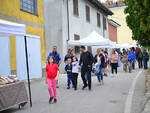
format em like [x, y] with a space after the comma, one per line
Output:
[36, 7]
[88, 13]
[77, 48]
[29, 6]
[98, 20]
[104, 23]
[75, 7]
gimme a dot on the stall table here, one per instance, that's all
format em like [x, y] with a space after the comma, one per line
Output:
[13, 94]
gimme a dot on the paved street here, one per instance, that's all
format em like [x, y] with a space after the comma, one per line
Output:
[110, 98]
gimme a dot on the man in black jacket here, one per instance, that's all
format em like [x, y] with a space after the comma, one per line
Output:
[86, 61]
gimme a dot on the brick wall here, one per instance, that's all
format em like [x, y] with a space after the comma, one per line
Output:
[112, 33]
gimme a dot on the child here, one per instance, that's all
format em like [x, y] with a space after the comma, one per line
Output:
[68, 69]
[52, 71]
[75, 71]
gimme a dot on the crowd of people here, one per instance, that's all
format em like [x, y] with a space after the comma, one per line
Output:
[88, 64]
[131, 56]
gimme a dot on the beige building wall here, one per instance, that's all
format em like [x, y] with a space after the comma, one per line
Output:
[124, 33]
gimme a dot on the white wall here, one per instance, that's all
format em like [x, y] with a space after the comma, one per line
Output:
[56, 25]
[78, 24]
[53, 24]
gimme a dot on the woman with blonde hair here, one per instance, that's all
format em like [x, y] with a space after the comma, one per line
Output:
[98, 60]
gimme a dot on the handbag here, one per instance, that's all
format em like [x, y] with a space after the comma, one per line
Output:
[97, 69]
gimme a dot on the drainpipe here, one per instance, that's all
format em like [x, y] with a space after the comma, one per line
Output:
[68, 21]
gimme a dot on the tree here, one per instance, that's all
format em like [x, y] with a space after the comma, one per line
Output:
[138, 20]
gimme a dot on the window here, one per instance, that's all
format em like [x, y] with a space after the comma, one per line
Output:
[88, 13]
[104, 23]
[98, 20]
[29, 6]
[75, 7]
[77, 48]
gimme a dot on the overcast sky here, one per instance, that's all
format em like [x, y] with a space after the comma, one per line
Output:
[105, 0]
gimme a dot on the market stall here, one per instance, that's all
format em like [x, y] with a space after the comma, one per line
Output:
[126, 46]
[13, 94]
[8, 29]
[94, 39]
[10, 83]
[110, 45]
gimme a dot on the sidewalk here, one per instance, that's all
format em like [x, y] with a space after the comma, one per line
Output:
[147, 93]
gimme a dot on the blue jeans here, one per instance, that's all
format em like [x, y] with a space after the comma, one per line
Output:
[69, 79]
[145, 64]
[100, 75]
[133, 64]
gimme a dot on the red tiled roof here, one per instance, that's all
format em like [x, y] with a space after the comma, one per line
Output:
[99, 5]
[117, 4]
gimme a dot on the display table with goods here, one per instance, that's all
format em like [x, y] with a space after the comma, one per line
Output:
[12, 93]
[15, 94]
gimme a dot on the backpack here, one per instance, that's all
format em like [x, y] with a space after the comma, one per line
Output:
[140, 56]
[146, 56]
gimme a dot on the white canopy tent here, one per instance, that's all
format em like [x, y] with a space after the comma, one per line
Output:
[126, 46]
[110, 45]
[13, 29]
[94, 39]
[10, 28]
